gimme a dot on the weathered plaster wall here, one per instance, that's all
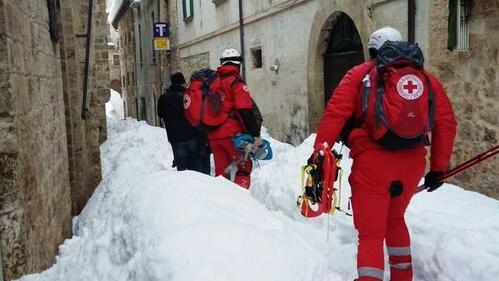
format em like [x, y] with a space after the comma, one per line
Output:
[291, 33]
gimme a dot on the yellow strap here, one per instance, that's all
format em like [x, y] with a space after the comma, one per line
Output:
[337, 193]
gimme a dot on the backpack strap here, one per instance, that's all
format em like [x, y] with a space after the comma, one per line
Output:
[206, 90]
[431, 108]
[235, 81]
[431, 103]
[366, 81]
[378, 107]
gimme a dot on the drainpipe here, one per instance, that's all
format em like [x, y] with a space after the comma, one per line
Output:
[87, 81]
[411, 21]
[241, 37]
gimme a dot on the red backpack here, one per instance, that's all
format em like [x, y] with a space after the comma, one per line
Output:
[397, 101]
[204, 106]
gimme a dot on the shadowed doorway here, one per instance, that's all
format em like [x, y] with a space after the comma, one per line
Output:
[344, 50]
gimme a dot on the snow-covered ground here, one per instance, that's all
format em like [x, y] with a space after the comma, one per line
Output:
[147, 222]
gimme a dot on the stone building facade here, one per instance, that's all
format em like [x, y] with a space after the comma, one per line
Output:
[472, 81]
[296, 52]
[292, 38]
[114, 55]
[145, 71]
[49, 155]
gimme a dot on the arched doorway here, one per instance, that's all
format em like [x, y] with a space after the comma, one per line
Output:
[344, 50]
[334, 47]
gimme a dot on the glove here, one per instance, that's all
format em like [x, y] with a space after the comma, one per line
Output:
[310, 160]
[431, 180]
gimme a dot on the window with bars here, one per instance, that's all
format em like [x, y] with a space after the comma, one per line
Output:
[463, 35]
[188, 9]
[458, 25]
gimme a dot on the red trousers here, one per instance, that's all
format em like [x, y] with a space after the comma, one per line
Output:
[225, 156]
[377, 176]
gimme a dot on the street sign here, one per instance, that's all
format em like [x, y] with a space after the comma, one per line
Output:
[162, 44]
[161, 33]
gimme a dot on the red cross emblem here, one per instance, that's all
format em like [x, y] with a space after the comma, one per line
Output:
[410, 87]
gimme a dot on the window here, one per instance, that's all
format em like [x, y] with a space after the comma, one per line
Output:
[458, 25]
[188, 9]
[463, 35]
[143, 113]
[53, 11]
[116, 60]
[152, 45]
[137, 108]
[140, 45]
[256, 57]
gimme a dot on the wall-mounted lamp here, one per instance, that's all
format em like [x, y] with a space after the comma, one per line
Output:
[275, 66]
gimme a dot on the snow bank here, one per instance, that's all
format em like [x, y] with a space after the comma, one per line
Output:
[147, 222]
[114, 107]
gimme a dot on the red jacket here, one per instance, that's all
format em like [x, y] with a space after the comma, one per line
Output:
[345, 101]
[235, 96]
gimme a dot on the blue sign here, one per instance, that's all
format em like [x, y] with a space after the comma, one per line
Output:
[161, 30]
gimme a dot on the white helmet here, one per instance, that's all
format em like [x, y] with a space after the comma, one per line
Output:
[380, 36]
[232, 56]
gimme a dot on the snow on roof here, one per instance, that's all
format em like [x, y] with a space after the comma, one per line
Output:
[114, 11]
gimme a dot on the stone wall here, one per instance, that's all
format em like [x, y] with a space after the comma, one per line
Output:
[472, 82]
[84, 135]
[49, 155]
[35, 209]
[128, 64]
[192, 63]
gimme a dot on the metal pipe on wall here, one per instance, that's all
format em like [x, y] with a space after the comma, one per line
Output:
[411, 21]
[87, 81]
[241, 37]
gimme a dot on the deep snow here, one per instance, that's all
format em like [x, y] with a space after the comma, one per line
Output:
[148, 222]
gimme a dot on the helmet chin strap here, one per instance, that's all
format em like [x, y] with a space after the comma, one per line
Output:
[373, 53]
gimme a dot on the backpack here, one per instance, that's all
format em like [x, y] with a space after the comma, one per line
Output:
[257, 114]
[397, 105]
[202, 106]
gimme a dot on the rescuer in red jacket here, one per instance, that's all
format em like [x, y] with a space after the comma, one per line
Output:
[382, 180]
[239, 104]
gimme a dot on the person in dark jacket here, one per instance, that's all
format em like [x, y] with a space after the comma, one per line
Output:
[189, 145]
